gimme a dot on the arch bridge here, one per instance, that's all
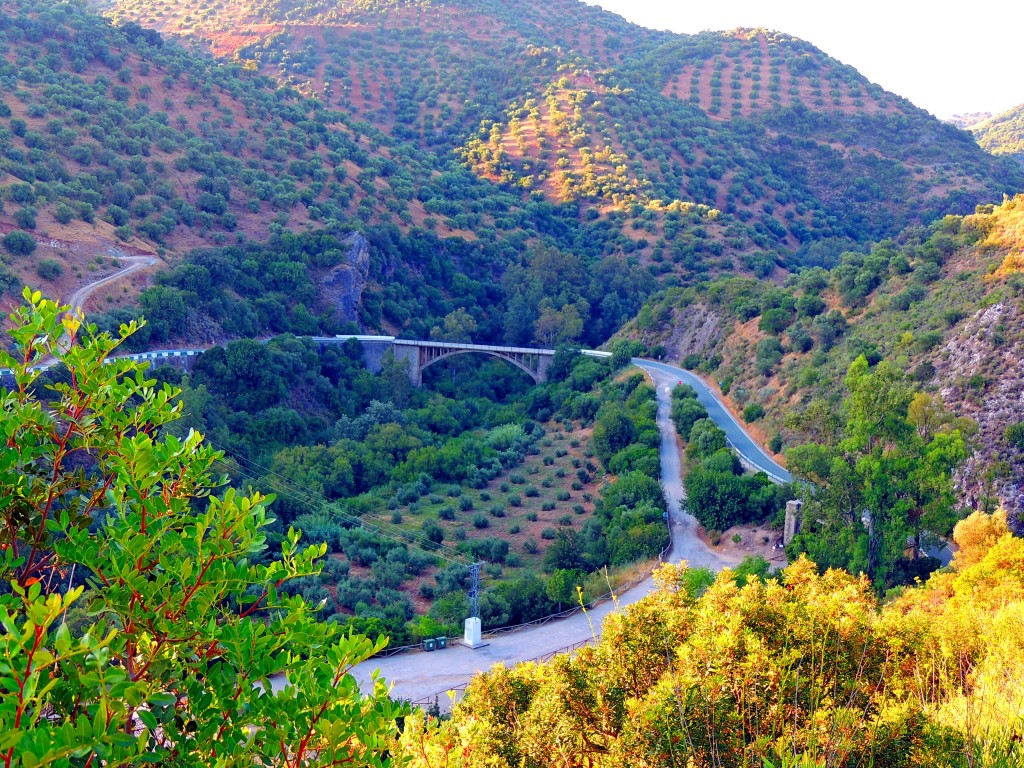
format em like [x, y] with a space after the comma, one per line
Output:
[419, 355]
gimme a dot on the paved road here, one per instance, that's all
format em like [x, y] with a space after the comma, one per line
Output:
[135, 263]
[419, 675]
[734, 432]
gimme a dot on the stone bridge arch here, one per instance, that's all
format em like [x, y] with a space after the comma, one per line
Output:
[420, 355]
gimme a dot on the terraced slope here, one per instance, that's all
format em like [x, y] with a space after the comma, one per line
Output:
[595, 110]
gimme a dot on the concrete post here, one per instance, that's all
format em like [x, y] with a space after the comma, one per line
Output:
[543, 365]
[794, 516]
[410, 355]
[472, 636]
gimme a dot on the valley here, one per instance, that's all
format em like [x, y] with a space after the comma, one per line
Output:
[708, 321]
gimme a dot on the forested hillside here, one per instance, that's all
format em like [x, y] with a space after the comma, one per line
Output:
[577, 103]
[1002, 134]
[943, 303]
[455, 138]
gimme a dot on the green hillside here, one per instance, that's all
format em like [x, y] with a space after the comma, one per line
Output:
[592, 108]
[1002, 134]
[458, 138]
[944, 303]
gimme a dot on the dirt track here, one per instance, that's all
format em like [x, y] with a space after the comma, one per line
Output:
[79, 297]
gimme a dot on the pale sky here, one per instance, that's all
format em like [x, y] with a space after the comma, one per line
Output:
[946, 57]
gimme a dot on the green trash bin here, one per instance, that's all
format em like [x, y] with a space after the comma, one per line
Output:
[442, 642]
[429, 645]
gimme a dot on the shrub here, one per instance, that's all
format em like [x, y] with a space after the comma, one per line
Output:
[548, 534]
[547, 506]
[514, 528]
[531, 491]
[497, 510]
[49, 269]
[1015, 435]
[515, 501]
[531, 516]
[19, 243]
[753, 412]
[25, 218]
[480, 521]
[530, 547]
[446, 513]
[565, 520]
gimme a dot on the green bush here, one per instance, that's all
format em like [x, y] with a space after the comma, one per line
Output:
[753, 412]
[1015, 435]
[19, 243]
[49, 269]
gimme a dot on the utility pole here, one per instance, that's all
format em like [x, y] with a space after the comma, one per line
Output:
[474, 591]
[472, 637]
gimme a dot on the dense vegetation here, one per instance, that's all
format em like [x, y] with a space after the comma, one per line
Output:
[469, 149]
[570, 110]
[1002, 134]
[406, 486]
[142, 619]
[804, 670]
[941, 303]
[718, 493]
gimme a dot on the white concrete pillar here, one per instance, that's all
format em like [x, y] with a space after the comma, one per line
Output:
[472, 637]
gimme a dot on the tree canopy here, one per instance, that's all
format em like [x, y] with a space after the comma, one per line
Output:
[139, 624]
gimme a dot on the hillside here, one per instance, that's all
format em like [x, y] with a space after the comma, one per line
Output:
[945, 303]
[1002, 134]
[112, 127]
[118, 142]
[754, 123]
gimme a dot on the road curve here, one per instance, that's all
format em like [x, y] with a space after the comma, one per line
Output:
[79, 297]
[737, 436]
[417, 676]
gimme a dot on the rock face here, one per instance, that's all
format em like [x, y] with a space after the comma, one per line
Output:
[695, 330]
[982, 373]
[344, 283]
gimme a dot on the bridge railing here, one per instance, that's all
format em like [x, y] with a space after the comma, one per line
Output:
[748, 464]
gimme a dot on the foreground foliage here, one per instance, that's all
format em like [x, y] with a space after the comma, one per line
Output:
[138, 624]
[804, 670]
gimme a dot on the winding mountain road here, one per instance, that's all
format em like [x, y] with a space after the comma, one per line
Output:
[419, 676]
[745, 446]
[135, 263]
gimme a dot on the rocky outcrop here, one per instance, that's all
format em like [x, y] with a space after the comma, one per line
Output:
[982, 373]
[344, 283]
[696, 329]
